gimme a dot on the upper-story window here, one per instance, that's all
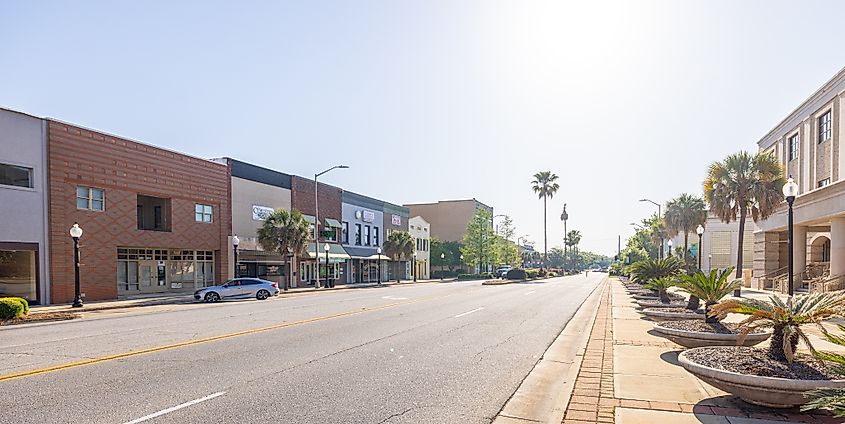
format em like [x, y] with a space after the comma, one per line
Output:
[825, 127]
[90, 198]
[824, 182]
[345, 234]
[13, 175]
[793, 147]
[203, 213]
[357, 234]
[375, 236]
[367, 235]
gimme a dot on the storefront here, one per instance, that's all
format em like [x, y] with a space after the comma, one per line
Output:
[363, 266]
[334, 269]
[261, 264]
[145, 270]
[19, 264]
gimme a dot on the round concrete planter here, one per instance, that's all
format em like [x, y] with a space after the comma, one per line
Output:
[692, 339]
[672, 304]
[654, 296]
[658, 314]
[772, 392]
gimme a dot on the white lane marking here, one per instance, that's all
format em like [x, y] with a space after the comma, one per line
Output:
[175, 408]
[394, 298]
[469, 312]
[531, 292]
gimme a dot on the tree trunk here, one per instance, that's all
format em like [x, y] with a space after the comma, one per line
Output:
[776, 350]
[707, 318]
[693, 303]
[686, 242]
[664, 296]
[545, 236]
[743, 212]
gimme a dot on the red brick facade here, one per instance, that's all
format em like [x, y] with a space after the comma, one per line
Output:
[124, 169]
[329, 198]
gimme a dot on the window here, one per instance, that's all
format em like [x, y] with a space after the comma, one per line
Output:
[824, 182]
[203, 213]
[793, 147]
[18, 176]
[367, 235]
[90, 198]
[153, 213]
[345, 232]
[824, 127]
[375, 236]
[357, 234]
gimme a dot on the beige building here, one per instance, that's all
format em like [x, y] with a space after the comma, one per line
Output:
[720, 243]
[420, 230]
[448, 218]
[808, 144]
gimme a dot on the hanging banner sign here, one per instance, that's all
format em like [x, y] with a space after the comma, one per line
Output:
[260, 213]
[396, 219]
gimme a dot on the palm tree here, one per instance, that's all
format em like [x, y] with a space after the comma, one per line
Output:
[830, 399]
[656, 228]
[649, 269]
[399, 246]
[683, 214]
[662, 284]
[285, 233]
[741, 184]
[545, 186]
[710, 287]
[572, 239]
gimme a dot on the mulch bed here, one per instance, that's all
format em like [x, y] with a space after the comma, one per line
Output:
[751, 361]
[40, 317]
[704, 327]
[679, 311]
[657, 303]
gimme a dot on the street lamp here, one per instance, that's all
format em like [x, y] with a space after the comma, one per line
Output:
[790, 190]
[462, 261]
[700, 231]
[379, 265]
[670, 248]
[442, 261]
[415, 267]
[329, 282]
[76, 233]
[235, 242]
[290, 269]
[659, 215]
[563, 217]
[317, 223]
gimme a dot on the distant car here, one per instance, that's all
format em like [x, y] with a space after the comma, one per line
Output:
[238, 288]
[503, 270]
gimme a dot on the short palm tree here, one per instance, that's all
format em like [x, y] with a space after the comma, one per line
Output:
[710, 287]
[744, 184]
[399, 246]
[545, 186]
[285, 233]
[649, 269]
[784, 318]
[683, 214]
[830, 399]
[661, 285]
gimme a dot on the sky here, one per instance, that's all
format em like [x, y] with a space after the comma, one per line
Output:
[438, 99]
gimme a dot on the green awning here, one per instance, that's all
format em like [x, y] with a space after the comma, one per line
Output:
[336, 251]
[332, 223]
[309, 219]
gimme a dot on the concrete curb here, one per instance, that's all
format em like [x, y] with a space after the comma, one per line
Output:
[544, 394]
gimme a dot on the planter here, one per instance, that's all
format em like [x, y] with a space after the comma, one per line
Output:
[692, 339]
[643, 296]
[661, 314]
[656, 304]
[772, 392]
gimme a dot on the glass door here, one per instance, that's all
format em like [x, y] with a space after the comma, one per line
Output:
[148, 276]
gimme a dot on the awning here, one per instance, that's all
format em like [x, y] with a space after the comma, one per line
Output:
[309, 219]
[332, 223]
[336, 251]
[364, 253]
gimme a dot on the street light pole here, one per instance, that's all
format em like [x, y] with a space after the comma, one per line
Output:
[329, 283]
[442, 260]
[790, 190]
[317, 225]
[563, 217]
[235, 242]
[415, 267]
[379, 265]
[659, 215]
[700, 232]
[76, 233]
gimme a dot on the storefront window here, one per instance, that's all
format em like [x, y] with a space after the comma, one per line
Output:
[18, 271]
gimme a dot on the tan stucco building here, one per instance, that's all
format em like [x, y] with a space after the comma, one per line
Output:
[448, 218]
[808, 145]
[420, 231]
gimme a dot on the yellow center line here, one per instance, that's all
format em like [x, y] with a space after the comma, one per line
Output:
[101, 359]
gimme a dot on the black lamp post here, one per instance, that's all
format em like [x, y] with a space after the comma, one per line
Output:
[76, 233]
[329, 282]
[290, 269]
[790, 190]
[442, 261]
[415, 267]
[235, 242]
[379, 265]
[700, 232]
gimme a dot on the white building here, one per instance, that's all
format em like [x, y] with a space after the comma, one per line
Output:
[420, 231]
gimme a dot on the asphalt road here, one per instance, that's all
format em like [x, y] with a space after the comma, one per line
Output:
[426, 353]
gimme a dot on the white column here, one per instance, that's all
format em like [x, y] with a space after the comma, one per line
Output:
[837, 246]
[800, 253]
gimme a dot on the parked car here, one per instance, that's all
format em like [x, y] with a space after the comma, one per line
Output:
[503, 270]
[238, 288]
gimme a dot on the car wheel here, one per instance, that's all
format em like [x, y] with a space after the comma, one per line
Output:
[212, 297]
[262, 294]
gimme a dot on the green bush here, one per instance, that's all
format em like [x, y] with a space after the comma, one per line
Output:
[12, 307]
[516, 274]
[532, 273]
[444, 274]
[551, 274]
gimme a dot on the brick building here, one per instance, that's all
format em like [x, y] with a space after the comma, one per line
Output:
[154, 220]
[330, 199]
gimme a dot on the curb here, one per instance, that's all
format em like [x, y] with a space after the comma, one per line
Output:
[544, 394]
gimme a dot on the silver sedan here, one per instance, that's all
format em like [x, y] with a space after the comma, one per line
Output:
[239, 288]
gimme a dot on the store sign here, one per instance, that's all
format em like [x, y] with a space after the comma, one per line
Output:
[261, 213]
[369, 216]
[396, 219]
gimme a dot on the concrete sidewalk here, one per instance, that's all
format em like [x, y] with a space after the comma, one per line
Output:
[648, 384]
[188, 298]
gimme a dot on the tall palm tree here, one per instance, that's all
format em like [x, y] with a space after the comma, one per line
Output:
[656, 228]
[572, 239]
[285, 233]
[545, 186]
[740, 184]
[399, 246]
[683, 214]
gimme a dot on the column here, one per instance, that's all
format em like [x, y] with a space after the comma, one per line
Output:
[837, 246]
[799, 254]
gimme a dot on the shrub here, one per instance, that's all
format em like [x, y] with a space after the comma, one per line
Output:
[474, 276]
[551, 274]
[12, 307]
[516, 274]
[444, 274]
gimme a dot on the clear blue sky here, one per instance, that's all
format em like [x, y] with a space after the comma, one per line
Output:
[433, 100]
